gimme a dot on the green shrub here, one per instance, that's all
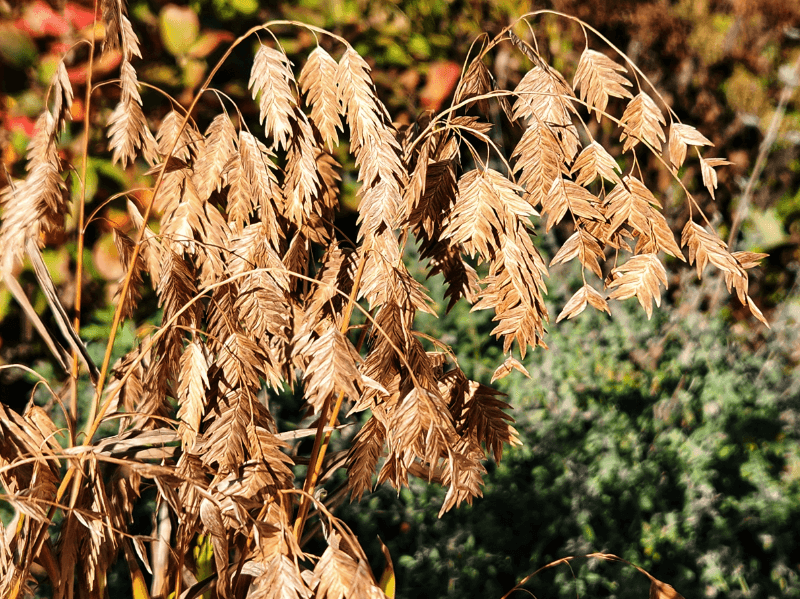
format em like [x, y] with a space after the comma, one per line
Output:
[670, 443]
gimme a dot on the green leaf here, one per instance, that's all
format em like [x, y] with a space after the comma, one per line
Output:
[179, 29]
[16, 48]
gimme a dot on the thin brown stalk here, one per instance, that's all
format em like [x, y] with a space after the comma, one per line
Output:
[766, 146]
[320, 445]
[73, 406]
[72, 416]
[658, 589]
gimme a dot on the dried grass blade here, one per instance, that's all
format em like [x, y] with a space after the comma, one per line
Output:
[56, 349]
[60, 315]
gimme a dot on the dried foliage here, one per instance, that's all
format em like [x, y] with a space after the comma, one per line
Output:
[259, 293]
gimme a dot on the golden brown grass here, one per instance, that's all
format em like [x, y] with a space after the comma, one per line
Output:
[257, 292]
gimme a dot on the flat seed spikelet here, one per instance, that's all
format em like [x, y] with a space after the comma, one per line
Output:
[487, 203]
[642, 121]
[318, 82]
[271, 77]
[543, 95]
[640, 277]
[681, 136]
[597, 78]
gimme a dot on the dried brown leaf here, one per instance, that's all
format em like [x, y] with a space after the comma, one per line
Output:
[477, 81]
[486, 420]
[487, 204]
[125, 247]
[460, 278]
[386, 279]
[749, 260]
[302, 183]
[187, 140]
[363, 456]
[333, 368]
[130, 42]
[374, 143]
[112, 12]
[709, 174]
[662, 590]
[39, 202]
[705, 247]
[509, 364]
[594, 161]
[544, 95]
[514, 290]
[436, 198]
[192, 386]
[281, 579]
[254, 188]
[219, 147]
[565, 195]
[271, 77]
[128, 132]
[184, 216]
[540, 158]
[338, 575]
[633, 204]
[585, 247]
[463, 474]
[62, 90]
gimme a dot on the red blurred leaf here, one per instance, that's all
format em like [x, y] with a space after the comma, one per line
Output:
[39, 20]
[208, 42]
[442, 79]
[77, 110]
[60, 48]
[20, 123]
[107, 62]
[79, 16]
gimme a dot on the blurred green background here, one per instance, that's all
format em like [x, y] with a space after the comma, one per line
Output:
[672, 442]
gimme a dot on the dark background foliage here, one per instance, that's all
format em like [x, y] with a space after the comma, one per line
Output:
[671, 443]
